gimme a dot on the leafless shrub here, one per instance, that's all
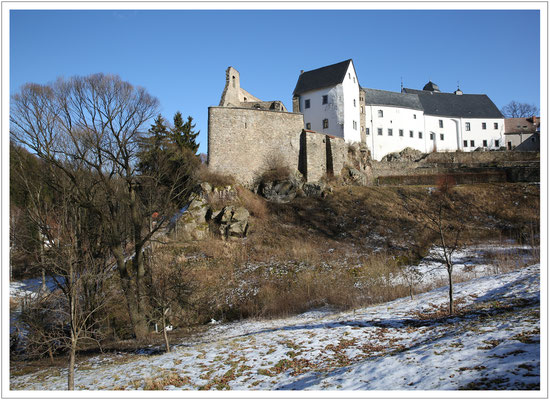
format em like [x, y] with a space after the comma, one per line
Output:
[276, 169]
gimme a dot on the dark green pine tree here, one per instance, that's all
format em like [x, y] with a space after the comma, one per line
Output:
[153, 146]
[183, 133]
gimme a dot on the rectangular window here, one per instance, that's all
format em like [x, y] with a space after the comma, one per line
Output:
[308, 125]
[465, 143]
[380, 113]
[431, 136]
[441, 123]
[325, 99]
[362, 110]
[307, 103]
[355, 125]
[467, 126]
[411, 133]
[484, 143]
[354, 103]
[483, 125]
[419, 135]
[325, 123]
[472, 143]
[442, 136]
[400, 132]
[379, 131]
[367, 131]
[497, 143]
[390, 132]
[414, 116]
[496, 125]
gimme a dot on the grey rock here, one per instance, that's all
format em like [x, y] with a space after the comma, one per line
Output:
[238, 229]
[314, 189]
[356, 177]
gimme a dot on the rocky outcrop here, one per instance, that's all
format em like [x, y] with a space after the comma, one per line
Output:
[357, 169]
[233, 221]
[352, 176]
[407, 154]
[207, 213]
[316, 189]
[282, 190]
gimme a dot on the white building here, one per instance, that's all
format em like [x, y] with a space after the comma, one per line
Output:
[333, 102]
[328, 98]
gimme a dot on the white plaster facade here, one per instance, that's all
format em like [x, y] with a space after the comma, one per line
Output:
[406, 125]
[401, 126]
[338, 105]
[491, 137]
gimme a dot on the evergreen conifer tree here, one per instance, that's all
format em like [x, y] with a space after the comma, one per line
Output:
[183, 133]
[153, 146]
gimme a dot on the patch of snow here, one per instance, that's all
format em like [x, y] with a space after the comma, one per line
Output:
[492, 343]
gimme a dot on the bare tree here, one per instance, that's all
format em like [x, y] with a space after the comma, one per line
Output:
[444, 213]
[73, 255]
[519, 110]
[89, 130]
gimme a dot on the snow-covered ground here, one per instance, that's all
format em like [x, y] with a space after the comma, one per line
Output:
[493, 342]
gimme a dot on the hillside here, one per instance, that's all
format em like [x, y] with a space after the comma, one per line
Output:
[492, 343]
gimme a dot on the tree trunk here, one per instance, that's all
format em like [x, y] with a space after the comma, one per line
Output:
[137, 316]
[167, 344]
[43, 288]
[70, 383]
[451, 306]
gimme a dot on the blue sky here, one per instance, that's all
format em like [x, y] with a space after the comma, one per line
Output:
[180, 56]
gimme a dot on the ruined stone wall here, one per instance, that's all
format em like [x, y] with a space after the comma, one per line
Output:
[339, 149]
[321, 155]
[241, 142]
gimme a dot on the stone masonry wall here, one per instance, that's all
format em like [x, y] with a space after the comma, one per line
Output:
[321, 154]
[241, 141]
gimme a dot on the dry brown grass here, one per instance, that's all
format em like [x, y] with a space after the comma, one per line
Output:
[160, 383]
[214, 178]
[256, 205]
[314, 252]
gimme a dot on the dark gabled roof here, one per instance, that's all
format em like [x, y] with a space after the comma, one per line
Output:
[452, 105]
[321, 77]
[386, 98]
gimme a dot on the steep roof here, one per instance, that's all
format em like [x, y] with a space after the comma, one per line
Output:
[452, 105]
[321, 77]
[387, 98]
